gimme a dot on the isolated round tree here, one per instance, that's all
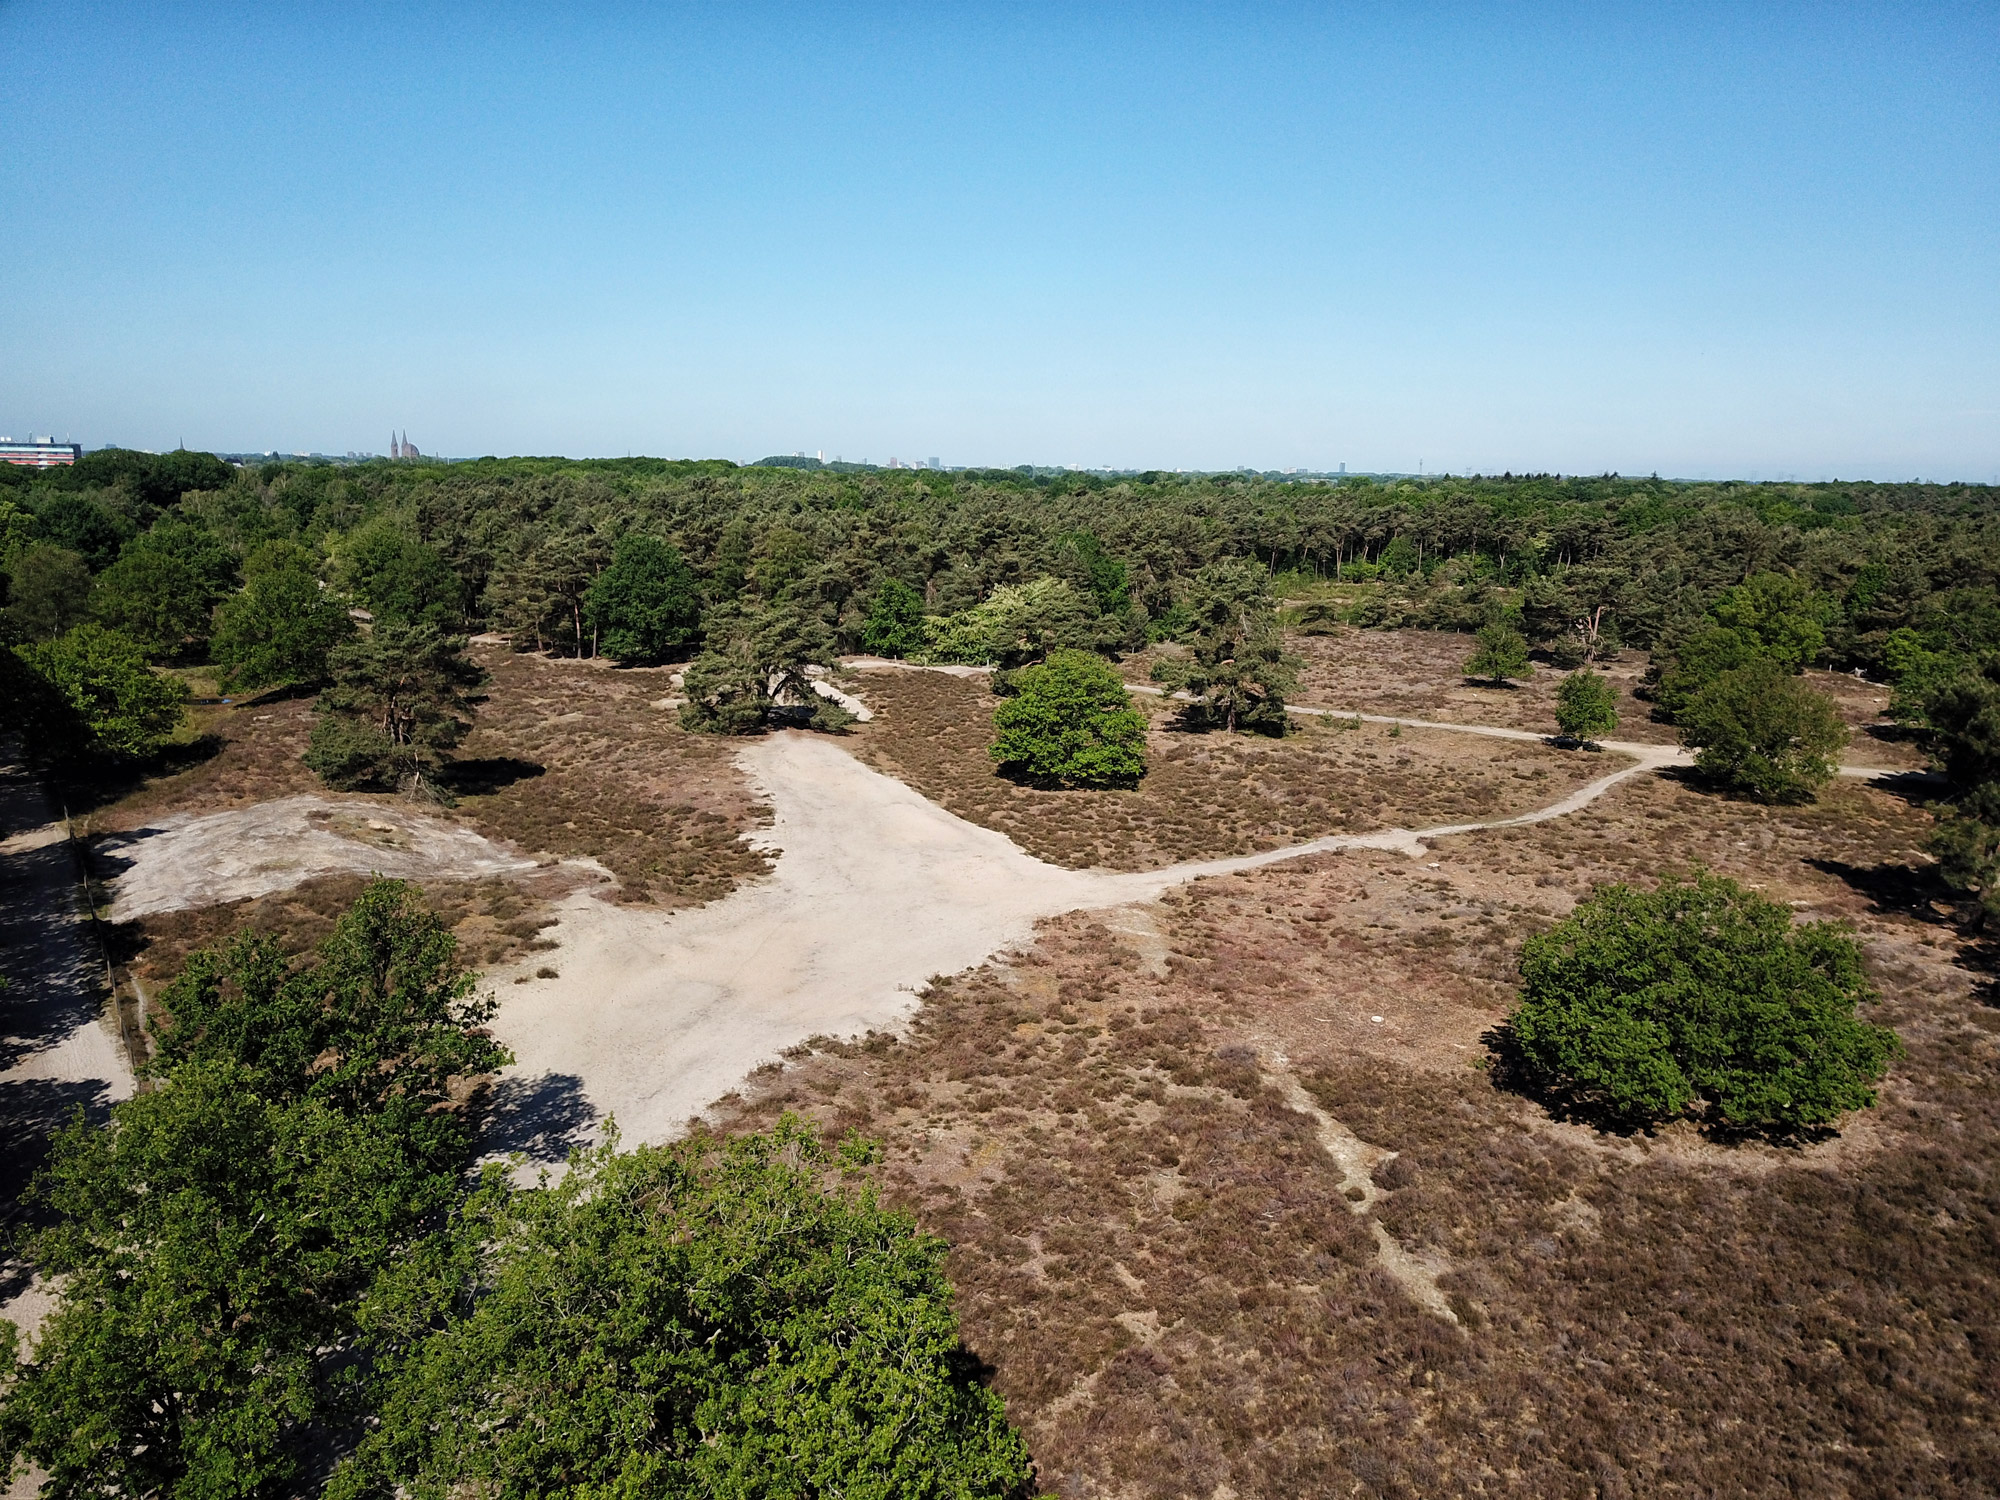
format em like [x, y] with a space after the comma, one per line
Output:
[1645, 1005]
[1760, 731]
[1071, 723]
[1586, 706]
[1502, 653]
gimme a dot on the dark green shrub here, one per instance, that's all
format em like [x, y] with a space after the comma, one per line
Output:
[1645, 1005]
[1070, 723]
[1759, 731]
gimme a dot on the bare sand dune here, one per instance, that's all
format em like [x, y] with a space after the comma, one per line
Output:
[183, 862]
[655, 1015]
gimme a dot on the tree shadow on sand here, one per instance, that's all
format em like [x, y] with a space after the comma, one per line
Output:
[542, 1119]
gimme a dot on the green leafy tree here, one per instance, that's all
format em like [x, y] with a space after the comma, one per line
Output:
[647, 605]
[1762, 732]
[401, 699]
[1014, 625]
[153, 598]
[895, 625]
[1767, 617]
[282, 628]
[48, 591]
[398, 579]
[1236, 673]
[230, 1249]
[755, 668]
[1070, 723]
[96, 694]
[1586, 706]
[1646, 1005]
[700, 1319]
[1502, 653]
[83, 524]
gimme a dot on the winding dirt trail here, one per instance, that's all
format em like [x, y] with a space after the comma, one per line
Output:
[654, 1015]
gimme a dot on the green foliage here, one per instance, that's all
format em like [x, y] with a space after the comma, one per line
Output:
[1236, 671]
[83, 524]
[100, 696]
[895, 625]
[153, 598]
[702, 1319]
[1768, 617]
[1586, 706]
[153, 480]
[1644, 1005]
[226, 1245]
[48, 592]
[1965, 717]
[400, 700]
[398, 579]
[283, 626]
[1103, 577]
[1070, 723]
[1502, 653]
[1783, 616]
[755, 668]
[646, 605]
[1013, 625]
[1965, 727]
[1762, 732]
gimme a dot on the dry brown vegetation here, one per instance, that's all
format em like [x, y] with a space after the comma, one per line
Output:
[565, 759]
[1204, 795]
[495, 922]
[1156, 1255]
[1419, 674]
[619, 780]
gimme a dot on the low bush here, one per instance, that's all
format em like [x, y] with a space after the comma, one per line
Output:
[1700, 995]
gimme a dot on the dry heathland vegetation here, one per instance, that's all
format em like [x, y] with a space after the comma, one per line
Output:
[567, 760]
[1187, 1286]
[1204, 795]
[1239, 1205]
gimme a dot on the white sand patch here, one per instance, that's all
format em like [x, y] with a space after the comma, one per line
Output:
[655, 1015]
[188, 861]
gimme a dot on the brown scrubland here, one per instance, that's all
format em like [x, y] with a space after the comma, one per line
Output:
[1124, 1128]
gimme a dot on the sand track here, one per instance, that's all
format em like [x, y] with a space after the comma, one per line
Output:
[654, 1015]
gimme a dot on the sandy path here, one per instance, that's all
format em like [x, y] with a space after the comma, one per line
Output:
[655, 1015]
[59, 1050]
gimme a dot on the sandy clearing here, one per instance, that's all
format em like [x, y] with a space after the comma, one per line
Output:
[653, 1015]
[184, 861]
[59, 1048]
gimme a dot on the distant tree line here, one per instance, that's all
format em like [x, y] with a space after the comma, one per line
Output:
[753, 576]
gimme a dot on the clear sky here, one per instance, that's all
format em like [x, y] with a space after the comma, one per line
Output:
[1754, 239]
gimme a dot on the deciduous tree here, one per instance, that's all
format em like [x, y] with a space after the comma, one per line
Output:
[707, 1318]
[1586, 706]
[646, 606]
[1762, 732]
[1070, 723]
[1699, 995]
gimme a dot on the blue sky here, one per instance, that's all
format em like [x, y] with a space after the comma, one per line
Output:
[1744, 239]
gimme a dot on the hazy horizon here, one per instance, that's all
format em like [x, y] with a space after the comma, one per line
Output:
[1707, 243]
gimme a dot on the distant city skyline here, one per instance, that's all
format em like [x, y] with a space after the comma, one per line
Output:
[1711, 241]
